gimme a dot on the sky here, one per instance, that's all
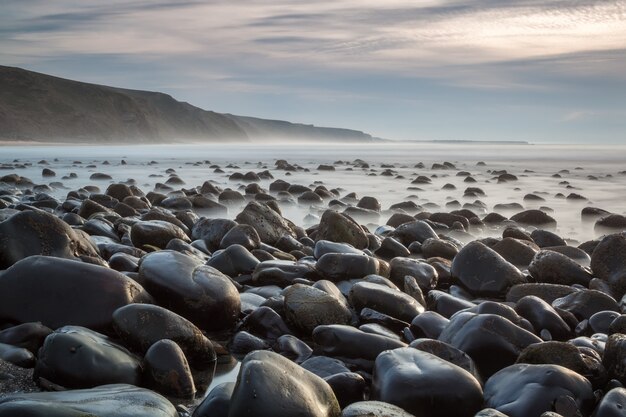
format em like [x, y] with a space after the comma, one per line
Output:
[538, 71]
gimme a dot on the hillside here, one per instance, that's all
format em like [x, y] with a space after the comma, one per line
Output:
[43, 108]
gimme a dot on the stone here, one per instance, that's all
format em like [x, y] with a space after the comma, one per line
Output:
[35, 232]
[308, 307]
[345, 266]
[197, 292]
[340, 228]
[388, 301]
[269, 225]
[524, 390]
[167, 370]
[217, 402]
[555, 268]
[415, 231]
[483, 272]
[58, 292]
[157, 233]
[139, 326]
[76, 357]
[269, 385]
[421, 384]
[374, 409]
[608, 262]
[612, 404]
[118, 400]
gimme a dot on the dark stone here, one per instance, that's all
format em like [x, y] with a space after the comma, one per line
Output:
[492, 341]
[217, 403]
[322, 247]
[282, 273]
[608, 262]
[117, 400]
[17, 356]
[483, 272]
[585, 303]
[197, 292]
[555, 268]
[516, 251]
[349, 387]
[344, 266]
[167, 370]
[141, 325]
[324, 366]
[58, 292]
[28, 336]
[292, 348]
[352, 345]
[523, 390]
[433, 248]
[76, 357]
[612, 404]
[542, 316]
[35, 232]
[374, 409]
[447, 353]
[233, 261]
[156, 233]
[545, 238]
[446, 304]
[614, 359]
[429, 324]
[269, 225]
[535, 218]
[425, 274]
[265, 323]
[415, 231]
[271, 385]
[212, 231]
[547, 292]
[420, 383]
[392, 302]
[307, 307]
[390, 248]
[340, 228]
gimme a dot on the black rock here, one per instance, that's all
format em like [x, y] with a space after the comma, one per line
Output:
[386, 300]
[529, 390]
[420, 383]
[340, 228]
[156, 233]
[483, 272]
[555, 268]
[269, 225]
[76, 357]
[308, 307]
[217, 403]
[271, 385]
[167, 370]
[374, 409]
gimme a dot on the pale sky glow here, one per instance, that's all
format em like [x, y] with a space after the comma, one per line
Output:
[489, 69]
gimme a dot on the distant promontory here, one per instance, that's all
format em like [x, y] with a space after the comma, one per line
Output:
[42, 108]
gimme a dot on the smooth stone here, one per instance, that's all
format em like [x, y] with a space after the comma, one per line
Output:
[415, 231]
[608, 262]
[374, 409]
[233, 261]
[535, 218]
[322, 247]
[243, 343]
[349, 387]
[420, 383]
[492, 341]
[68, 292]
[292, 348]
[386, 300]
[483, 272]
[265, 323]
[614, 359]
[308, 307]
[323, 366]
[447, 353]
[555, 268]
[212, 231]
[157, 233]
[425, 274]
[242, 234]
[269, 385]
[547, 292]
[344, 266]
[141, 325]
[523, 390]
[197, 292]
[217, 403]
[585, 303]
[76, 357]
[429, 324]
[613, 404]
[601, 321]
[542, 316]
[391, 248]
[446, 304]
[17, 356]
[35, 232]
[352, 345]
[516, 251]
[167, 371]
[432, 248]
[119, 400]
[27, 335]
[269, 225]
[340, 228]
[545, 238]
[282, 273]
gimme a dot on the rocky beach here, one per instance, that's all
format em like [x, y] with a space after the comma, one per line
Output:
[289, 283]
